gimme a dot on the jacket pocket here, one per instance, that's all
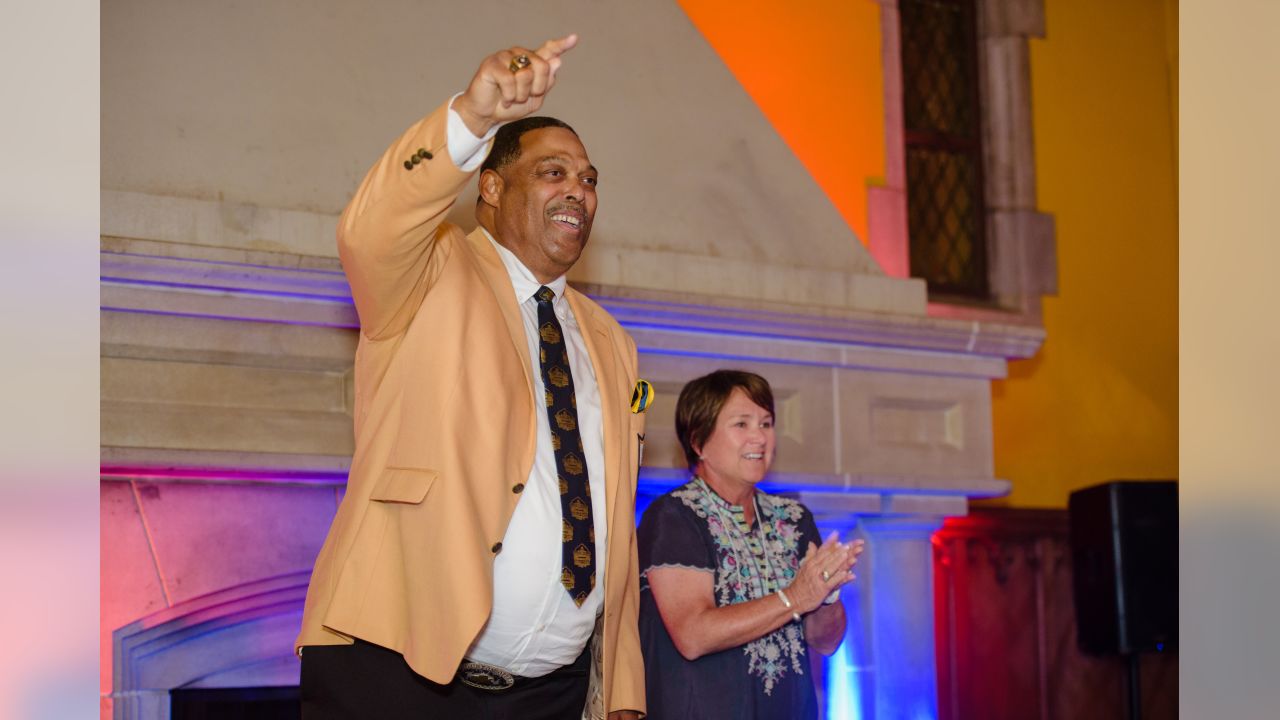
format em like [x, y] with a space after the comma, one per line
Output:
[403, 485]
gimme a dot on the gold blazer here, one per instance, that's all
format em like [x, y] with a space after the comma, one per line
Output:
[445, 428]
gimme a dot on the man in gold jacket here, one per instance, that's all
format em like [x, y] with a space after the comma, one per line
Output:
[482, 562]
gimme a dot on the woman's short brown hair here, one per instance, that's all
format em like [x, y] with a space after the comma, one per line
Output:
[702, 399]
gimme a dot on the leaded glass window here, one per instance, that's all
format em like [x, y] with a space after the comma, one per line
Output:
[942, 135]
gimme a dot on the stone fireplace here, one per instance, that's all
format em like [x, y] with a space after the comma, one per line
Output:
[226, 396]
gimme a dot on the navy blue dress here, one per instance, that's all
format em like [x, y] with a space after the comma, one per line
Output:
[693, 527]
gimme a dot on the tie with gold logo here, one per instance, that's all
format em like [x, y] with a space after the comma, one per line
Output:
[578, 535]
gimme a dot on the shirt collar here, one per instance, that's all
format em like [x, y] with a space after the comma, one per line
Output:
[522, 279]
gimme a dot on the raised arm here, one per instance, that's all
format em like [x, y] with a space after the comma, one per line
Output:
[388, 235]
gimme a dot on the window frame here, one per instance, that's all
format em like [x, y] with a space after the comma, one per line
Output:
[1020, 240]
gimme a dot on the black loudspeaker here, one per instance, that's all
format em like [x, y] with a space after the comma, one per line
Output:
[1124, 550]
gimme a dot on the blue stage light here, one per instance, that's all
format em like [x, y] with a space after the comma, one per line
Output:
[844, 700]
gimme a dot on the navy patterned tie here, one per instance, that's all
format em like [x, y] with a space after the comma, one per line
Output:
[578, 535]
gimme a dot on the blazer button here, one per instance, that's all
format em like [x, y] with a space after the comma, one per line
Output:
[408, 165]
[424, 154]
[518, 488]
[497, 547]
[415, 159]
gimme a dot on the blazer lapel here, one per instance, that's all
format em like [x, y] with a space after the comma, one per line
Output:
[600, 348]
[495, 273]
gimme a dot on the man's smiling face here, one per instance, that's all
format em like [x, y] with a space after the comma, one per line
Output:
[547, 201]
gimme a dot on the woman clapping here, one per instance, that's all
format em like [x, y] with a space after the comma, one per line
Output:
[736, 584]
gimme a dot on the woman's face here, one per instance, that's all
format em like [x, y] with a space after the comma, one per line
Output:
[740, 448]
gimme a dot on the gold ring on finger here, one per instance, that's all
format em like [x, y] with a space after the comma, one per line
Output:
[518, 63]
[825, 576]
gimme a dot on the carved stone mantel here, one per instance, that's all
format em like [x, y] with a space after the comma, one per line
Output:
[867, 401]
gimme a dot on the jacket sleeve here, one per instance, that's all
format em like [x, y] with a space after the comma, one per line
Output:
[390, 235]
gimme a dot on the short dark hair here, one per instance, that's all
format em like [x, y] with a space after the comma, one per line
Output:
[702, 399]
[506, 143]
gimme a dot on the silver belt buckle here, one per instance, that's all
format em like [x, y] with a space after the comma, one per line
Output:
[485, 676]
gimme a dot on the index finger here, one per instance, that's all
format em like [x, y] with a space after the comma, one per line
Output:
[552, 49]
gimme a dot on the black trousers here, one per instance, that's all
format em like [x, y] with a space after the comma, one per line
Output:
[368, 682]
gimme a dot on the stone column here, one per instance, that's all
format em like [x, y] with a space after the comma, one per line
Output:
[844, 681]
[890, 635]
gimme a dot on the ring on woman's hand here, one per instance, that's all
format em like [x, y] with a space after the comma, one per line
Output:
[518, 63]
[825, 576]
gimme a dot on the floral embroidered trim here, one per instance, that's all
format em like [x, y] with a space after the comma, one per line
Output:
[752, 563]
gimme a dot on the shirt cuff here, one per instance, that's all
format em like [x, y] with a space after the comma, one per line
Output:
[466, 150]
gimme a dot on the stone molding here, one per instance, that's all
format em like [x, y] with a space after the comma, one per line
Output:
[224, 283]
[226, 287]
[241, 636]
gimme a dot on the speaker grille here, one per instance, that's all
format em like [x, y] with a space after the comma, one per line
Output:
[1124, 547]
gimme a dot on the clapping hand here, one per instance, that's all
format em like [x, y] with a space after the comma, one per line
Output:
[824, 570]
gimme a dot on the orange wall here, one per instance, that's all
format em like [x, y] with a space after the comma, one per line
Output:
[1100, 400]
[814, 70]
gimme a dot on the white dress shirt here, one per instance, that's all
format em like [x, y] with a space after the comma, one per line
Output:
[534, 626]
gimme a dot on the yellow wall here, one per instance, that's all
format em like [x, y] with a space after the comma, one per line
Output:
[1100, 400]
